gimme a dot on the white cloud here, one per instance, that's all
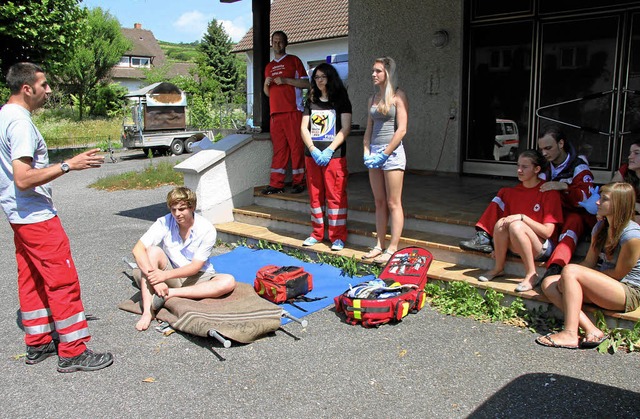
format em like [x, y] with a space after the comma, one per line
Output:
[195, 24]
[235, 28]
[192, 23]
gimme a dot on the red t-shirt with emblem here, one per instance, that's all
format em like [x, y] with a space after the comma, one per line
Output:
[284, 97]
[543, 207]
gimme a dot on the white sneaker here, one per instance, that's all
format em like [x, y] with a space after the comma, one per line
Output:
[309, 241]
[337, 245]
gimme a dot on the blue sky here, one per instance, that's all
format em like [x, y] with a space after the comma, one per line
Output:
[179, 20]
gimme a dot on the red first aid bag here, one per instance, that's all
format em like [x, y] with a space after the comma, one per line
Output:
[398, 292]
[282, 283]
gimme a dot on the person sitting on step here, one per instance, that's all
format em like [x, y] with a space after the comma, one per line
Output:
[569, 173]
[527, 221]
[609, 276]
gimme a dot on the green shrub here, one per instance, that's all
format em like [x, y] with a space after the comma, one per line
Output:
[200, 114]
[461, 299]
[107, 100]
[617, 338]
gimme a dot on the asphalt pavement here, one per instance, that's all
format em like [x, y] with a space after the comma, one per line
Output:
[429, 365]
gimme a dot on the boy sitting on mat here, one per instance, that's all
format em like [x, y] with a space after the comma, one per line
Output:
[173, 257]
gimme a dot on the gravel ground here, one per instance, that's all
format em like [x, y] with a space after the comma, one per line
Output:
[429, 365]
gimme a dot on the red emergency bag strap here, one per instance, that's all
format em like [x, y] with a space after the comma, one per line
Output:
[402, 308]
[421, 299]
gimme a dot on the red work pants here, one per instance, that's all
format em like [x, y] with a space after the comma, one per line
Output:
[328, 185]
[48, 287]
[287, 142]
[490, 217]
[573, 229]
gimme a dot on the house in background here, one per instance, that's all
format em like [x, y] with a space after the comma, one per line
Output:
[313, 34]
[145, 54]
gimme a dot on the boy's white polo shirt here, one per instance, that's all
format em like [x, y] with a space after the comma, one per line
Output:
[165, 233]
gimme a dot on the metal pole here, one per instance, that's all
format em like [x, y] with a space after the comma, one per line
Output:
[225, 342]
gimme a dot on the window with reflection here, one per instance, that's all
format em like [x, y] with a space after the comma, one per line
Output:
[493, 8]
[124, 62]
[140, 62]
[577, 81]
[555, 6]
[499, 88]
[631, 115]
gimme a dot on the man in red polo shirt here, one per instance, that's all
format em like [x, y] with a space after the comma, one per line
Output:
[285, 77]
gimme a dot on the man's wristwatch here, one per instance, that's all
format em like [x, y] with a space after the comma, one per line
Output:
[64, 166]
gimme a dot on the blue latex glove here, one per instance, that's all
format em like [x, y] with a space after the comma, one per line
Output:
[327, 153]
[378, 160]
[367, 160]
[317, 156]
[590, 203]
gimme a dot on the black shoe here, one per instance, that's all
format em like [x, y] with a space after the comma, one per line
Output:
[270, 190]
[299, 188]
[481, 242]
[553, 269]
[37, 354]
[86, 361]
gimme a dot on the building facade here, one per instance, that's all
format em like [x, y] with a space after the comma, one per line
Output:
[472, 67]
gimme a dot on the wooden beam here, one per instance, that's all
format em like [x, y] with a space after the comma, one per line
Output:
[261, 45]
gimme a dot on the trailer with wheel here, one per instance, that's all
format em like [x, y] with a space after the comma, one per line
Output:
[158, 121]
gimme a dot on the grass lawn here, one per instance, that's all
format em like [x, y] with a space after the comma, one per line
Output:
[151, 177]
[61, 130]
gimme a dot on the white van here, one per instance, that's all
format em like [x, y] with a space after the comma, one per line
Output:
[507, 140]
[340, 62]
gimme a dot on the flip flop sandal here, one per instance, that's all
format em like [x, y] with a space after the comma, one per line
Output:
[383, 258]
[590, 344]
[552, 344]
[373, 253]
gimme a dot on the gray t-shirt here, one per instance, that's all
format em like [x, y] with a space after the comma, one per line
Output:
[631, 231]
[19, 138]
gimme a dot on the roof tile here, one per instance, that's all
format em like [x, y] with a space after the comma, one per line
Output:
[301, 24]
[144, 45]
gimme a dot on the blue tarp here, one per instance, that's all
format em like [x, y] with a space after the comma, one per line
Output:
[328, 281]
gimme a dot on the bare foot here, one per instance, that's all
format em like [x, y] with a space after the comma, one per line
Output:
[594, 336]
[592, 339]
[564, 339]
[144, 322]
[373, 253]
[491, 275]
[528, 283]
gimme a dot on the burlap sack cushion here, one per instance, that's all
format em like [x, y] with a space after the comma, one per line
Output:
[241, 316]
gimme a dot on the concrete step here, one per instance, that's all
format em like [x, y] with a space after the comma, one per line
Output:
[443, 245]
[439, 225]
[439, 270]
[443, 232]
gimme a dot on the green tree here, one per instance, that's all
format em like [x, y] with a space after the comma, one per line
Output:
[97, 52]
[40, 31]
[216, 61]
